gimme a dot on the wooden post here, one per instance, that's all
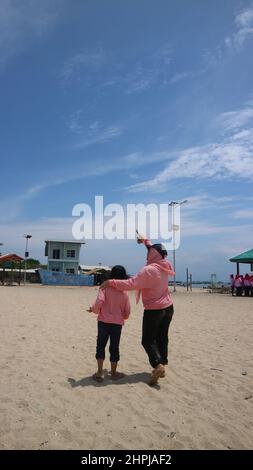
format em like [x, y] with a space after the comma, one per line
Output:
[191, 282]
[19, 279]
[187, 279]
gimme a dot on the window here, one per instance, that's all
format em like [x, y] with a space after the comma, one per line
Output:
[55, 269]
[56, 254]
[71, 253]
[70, 271]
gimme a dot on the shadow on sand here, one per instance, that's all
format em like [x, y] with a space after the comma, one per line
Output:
[127, 379]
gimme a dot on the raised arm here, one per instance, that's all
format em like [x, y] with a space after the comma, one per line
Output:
[139, 281]
[145, 241]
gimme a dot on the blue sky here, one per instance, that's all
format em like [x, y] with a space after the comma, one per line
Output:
[136, 101]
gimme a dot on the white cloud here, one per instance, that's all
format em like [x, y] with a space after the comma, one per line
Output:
[230, 159]
[236, 119]
[98, 135]
[245, 135]
[178, 77]
[243, 214]
[74, 122]
[244, 29]
[146, 73]
[199, 228]
[245, 18]
[13, 207]
[21, 22]
[144, 77]
[95, 133]
[75, 66]
[141, 79]
[215, 161]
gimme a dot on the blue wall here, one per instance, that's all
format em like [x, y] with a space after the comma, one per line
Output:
[62, 279]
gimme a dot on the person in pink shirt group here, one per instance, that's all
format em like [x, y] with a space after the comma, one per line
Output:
[238, 285]
[113, 308]
[247, 285]
[152, 283]
[243, 284]
[232, 283]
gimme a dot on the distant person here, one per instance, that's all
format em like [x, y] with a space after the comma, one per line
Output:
[251, 285]
[113, 308]
[247, 285]
[152, 283]
[232, 283]
[238, 285]
[242, 278]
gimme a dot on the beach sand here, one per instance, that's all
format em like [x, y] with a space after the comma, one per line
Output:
[49, 401]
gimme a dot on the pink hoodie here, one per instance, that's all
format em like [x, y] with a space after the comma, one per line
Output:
[112, 306]
[151, 281]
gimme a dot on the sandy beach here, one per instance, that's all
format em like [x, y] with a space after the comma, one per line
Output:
[49, 401]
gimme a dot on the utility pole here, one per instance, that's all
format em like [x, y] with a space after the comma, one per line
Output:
[173, 204]
[27, 237]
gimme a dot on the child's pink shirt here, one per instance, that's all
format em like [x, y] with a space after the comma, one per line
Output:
[112, 306]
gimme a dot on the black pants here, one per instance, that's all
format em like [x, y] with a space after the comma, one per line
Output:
[106, 331]
[155, 329]
[238, 291]
[247, 291]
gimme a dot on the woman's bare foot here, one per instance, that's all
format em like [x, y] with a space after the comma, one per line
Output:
[117, 375]
[98, 377]
[162, 374]
[158, 372]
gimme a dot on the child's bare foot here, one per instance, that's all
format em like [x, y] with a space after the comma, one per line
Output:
[158, 372]
[117, 375]
[98, 377]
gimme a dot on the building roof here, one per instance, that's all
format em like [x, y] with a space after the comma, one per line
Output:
[86, 267]
[246, 257]
[10, 257]
[28, 271]
[66, 241]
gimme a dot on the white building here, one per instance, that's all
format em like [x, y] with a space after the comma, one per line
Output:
[63, 255]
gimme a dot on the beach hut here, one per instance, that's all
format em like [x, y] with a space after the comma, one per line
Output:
[10, 260]
[244, 258]
[100, 273]
[63, 255]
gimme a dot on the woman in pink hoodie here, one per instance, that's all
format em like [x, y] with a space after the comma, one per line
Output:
[112, 308]
[152, 283]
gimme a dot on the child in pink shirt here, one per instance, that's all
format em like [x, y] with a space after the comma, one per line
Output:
[113, 308]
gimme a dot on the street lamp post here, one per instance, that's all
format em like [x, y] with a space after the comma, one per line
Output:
[173, 204]
[27, 237]
[1, 244]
